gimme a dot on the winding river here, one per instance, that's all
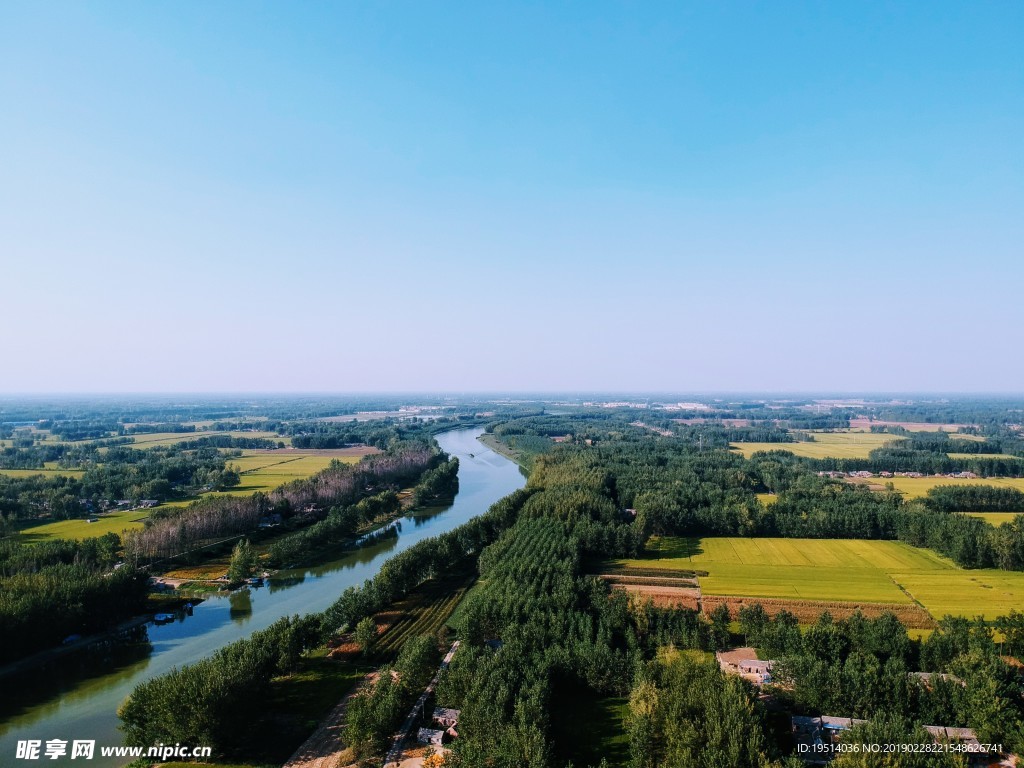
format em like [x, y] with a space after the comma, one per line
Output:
[77, 698]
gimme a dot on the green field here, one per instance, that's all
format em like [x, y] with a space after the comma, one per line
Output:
[109, 522]
[916, 487]
[266, 471]
[988, 593]
[994, 518]
[164, 439]
[981, 456]
[840, 445]
[836, 570]
[46, 472]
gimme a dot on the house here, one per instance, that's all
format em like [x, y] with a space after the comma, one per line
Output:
[836, 725]
[430, 736]
[928, 678]
[964, 736]
[760, 672]
[744, 662]
[813, 733]
[445, 718]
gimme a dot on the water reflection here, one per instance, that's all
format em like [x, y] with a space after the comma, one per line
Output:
[241, 605]
[72, 677]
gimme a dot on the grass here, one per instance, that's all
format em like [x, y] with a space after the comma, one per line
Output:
[995, 518]
[298, 702]
[586, 727]
[850, 570]
[110, 522]
[916, 487]
[520, 457]
[840, 445]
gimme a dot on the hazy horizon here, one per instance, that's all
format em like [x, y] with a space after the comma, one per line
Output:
[599, 197]
[874, 395]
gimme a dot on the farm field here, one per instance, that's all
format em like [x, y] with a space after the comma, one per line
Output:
[110, 522]
[988, 593]
[916, 487]
[263, 471]
[164, 439]
[48, 472]
[839, 445]
[266, 470]
[422, 613]
[835, 570]
[910, 426]
[981, 456]
[994, 518]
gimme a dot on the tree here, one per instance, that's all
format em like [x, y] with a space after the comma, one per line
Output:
[243, 562]
[366, 635]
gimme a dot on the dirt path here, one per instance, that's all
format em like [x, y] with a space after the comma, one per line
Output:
[324, 746]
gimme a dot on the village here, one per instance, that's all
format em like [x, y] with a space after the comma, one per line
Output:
[817, 738]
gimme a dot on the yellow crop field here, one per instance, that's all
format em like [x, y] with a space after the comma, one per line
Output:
[994, 518]
[916, 487]
[264, 471]
[839, 445]
[988, 593]
[844, 570]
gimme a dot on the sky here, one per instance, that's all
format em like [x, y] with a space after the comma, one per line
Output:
[410, 196]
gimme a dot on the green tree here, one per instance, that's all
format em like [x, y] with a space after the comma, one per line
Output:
[366, 635]
[243, 562]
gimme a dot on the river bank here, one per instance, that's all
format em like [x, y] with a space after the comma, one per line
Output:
[503, 449]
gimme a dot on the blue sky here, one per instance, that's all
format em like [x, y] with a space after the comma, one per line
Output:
[474, 196]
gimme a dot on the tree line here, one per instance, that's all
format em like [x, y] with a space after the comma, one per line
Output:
[58, 588]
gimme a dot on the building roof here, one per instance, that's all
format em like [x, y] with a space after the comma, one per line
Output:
[840, 723]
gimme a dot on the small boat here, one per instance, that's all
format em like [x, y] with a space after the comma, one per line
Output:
[188, 608]
[255, 581]
[163, 618]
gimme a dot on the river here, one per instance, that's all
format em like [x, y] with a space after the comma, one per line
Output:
[78, 698]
